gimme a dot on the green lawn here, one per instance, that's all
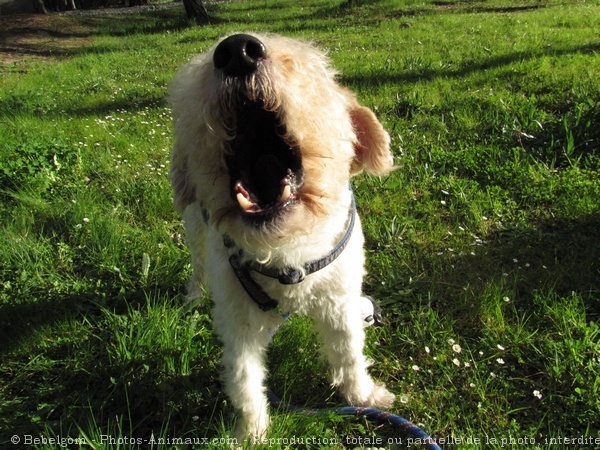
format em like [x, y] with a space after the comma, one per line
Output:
[483, 247]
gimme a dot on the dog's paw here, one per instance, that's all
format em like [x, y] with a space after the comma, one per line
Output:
[374, 394]
[380, 397]
[250, 431]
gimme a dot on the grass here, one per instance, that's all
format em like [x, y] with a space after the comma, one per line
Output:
[482, 246]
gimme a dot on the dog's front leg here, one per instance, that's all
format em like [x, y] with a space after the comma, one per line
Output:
[341, 328]
[195, 227]
[244, 331]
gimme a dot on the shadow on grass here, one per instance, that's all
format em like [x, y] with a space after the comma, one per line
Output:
[27, 105]
[35, 35]
[466, 67]
[71, 385]
[357, 15]
[51, 36]
[35, 311]
[152, 22]
[454, 6]
[556, 255]
[560, 255]
[533, 289]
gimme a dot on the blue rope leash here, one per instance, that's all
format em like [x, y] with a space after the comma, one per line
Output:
[372, 414]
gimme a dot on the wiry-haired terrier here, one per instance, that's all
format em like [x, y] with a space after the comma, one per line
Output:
[265, 144]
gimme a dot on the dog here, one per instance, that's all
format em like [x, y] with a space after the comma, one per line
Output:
[265, 144]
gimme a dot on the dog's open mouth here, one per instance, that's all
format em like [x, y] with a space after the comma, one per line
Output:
[265, 169]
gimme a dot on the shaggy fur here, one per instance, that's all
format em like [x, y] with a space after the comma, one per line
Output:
[264, 158]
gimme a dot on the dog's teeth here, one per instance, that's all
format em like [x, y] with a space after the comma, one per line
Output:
[286, 193]
[245, 204]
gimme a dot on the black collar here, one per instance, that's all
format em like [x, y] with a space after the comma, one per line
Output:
[289, 275]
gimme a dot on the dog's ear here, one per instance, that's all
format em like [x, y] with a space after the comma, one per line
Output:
[184, 191]
[372, 148]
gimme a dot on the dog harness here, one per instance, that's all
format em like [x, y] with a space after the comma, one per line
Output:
[287, 276]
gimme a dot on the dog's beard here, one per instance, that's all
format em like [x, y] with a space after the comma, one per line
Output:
[264, 164]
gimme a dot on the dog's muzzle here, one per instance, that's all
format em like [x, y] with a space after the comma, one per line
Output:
[265, 167]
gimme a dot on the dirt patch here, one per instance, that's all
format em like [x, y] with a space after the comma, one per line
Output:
[39, 36]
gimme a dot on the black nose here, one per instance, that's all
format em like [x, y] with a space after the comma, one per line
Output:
[239, 55]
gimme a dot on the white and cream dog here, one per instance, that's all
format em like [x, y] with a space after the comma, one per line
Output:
[265, 144]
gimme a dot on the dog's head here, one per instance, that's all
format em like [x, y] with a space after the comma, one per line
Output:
[265, 137]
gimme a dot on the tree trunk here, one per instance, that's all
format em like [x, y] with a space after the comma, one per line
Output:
[38, 6]
[195, 10]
